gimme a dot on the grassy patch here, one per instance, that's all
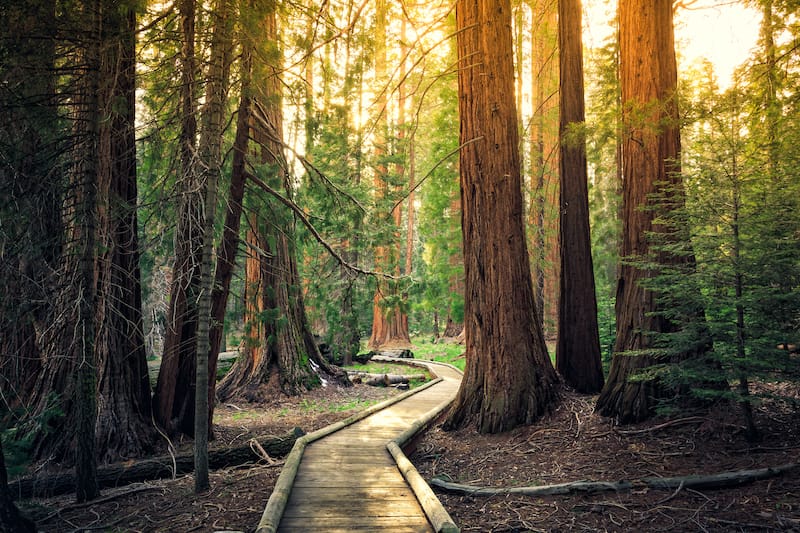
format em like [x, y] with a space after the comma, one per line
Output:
[443, 352]
[335, 406]
[374, 367]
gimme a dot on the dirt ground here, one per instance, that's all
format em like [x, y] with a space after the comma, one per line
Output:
[571, 444]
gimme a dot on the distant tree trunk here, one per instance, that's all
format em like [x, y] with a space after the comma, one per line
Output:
[226, 256]
[578, 349]
[124, 427]
[543, 210]
[11, 521]
[279, 350]
[174, 398]
[651, 165]
[389, 321]
[508, 378]
[211, 160]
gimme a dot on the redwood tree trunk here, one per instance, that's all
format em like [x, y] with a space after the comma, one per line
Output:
[124, 427]
[543, 210]
[226, 255]
[279, 350]
[389, 320]
[174, 399]
[578, 349]
[651, 165]
[508, 378]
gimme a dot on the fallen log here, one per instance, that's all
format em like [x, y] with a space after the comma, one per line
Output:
[713, 481]
[164, 466]
[384, 380]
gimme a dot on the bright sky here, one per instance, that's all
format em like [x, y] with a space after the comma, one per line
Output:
[722, 31]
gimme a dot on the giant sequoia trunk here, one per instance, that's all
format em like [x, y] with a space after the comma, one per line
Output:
[578, 350]
[96, 309]
[508, 378]
[124, 427]
[651, 166]
[279, 351]
[174, 395]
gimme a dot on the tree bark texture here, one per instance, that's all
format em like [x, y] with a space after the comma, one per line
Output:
[31, 229]
[508, 378]
[578, 349]
[124, 427]
[85, 172]
[174, 399]
[650, 165]
[279, 349]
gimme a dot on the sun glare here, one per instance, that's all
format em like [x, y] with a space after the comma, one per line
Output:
[721, 31]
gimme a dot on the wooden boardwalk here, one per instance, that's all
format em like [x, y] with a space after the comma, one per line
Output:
[348, 480]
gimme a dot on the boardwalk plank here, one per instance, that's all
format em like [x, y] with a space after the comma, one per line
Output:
[347, 481]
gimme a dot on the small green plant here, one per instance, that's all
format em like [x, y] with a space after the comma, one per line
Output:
[18, 440]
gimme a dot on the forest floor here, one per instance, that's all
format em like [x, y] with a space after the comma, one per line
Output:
[572, 443]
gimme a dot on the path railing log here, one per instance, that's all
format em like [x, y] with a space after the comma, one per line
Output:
[354, 474]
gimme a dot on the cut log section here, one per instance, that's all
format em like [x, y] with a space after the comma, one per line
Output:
[118, 474]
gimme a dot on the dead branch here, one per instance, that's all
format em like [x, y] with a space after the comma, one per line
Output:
[670, 423]
[714, 481]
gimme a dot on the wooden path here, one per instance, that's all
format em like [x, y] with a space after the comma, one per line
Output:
[348, 480]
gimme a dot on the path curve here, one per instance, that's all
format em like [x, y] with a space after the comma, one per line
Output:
[353, 475]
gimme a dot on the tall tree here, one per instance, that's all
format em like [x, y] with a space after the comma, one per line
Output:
[508, 379]
[124, 427]
[389, 319]
[85, 170]
[95, 303]
[279, 349]
[543, 217]
[651, 168]
[226, 254]
[578, 349]
[211, 160]
[174, 398]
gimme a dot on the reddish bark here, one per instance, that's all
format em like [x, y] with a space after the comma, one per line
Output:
[578, 348]
[508, 378]
[651, 166]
